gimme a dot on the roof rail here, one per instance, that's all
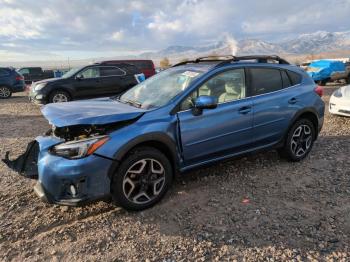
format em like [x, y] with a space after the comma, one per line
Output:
[230, 58]
[263, 58]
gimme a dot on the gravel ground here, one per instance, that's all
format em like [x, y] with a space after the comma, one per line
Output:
[253, 208]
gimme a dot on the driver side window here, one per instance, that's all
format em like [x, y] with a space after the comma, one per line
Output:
[226, 86]
[91, 72]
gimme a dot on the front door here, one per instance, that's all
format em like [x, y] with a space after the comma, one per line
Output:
[88, 82]
[223, 131]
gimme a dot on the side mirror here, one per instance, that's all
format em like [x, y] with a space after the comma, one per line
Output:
[79, 77]
[204, 102]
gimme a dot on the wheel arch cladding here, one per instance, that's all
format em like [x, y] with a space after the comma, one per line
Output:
[164, 144]
[310, 115]
[57, 89]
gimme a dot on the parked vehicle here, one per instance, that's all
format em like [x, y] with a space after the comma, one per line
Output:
[10, 82]
[339, 103]
[324, 71]
[86, 82]
[193, 114]
[34, 74]
[146, 66]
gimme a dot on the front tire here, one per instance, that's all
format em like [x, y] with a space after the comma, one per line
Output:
[299, 141]
[59, 96]
[142, 179]
[5, 92]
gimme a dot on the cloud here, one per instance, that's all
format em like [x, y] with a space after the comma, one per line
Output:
[118, 36]
[88, 27]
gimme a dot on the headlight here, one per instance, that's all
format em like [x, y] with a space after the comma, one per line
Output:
[337, 93]
[80, 148]
[39, 86]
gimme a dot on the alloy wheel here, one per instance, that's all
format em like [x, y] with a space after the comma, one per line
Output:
[301, 140]
[5, 92]
[144, 181]
[59, 98]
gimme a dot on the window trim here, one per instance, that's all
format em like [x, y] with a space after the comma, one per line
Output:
[88, 67]
[177, 108]
[124, 72]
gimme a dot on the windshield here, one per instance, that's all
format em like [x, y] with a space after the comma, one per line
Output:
[161, 88]
[71, 72]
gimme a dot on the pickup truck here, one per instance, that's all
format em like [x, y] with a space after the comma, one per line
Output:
[324, 71]
[34, 74]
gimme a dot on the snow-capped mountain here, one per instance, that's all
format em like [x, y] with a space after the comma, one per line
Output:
[312, 43]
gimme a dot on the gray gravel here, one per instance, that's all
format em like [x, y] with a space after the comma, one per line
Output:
[253, 208]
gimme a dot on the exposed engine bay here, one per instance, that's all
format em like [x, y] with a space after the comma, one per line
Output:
[26, 164]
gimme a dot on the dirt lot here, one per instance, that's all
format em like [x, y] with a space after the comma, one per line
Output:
[254, 208]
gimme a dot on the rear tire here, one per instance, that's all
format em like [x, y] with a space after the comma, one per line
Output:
[299, 140]
[142, 179]
[59, 96]
[5, 92]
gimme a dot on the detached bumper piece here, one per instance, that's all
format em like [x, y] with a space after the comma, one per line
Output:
[27, 163]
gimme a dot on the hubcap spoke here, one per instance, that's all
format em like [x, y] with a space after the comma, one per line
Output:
[4, 92]
[144, 181]
[301, 140]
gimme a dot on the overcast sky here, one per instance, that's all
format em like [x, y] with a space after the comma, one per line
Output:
[56, 29]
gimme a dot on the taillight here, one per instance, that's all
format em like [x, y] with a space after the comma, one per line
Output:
[319, 90]
[19, 78]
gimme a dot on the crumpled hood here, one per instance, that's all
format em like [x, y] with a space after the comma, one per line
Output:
[90, 112]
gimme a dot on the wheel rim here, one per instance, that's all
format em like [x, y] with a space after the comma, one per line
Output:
[59, 98]
[301, 140]
[144, 181]
[4, 92]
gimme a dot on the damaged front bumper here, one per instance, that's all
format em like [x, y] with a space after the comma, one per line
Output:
[60, 180]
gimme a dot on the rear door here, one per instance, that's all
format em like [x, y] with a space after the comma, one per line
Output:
[275, 102]
[88, 82]
[112, 79]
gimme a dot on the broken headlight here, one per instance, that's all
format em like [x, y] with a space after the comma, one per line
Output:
[80, 148]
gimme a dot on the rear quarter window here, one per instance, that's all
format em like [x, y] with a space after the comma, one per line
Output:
[295, 78]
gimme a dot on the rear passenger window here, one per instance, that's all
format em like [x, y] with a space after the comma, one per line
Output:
[266, 80]
[111, 71]
[295, 78]
[285, 79]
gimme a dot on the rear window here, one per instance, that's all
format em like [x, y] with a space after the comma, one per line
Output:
[265, 80]
[111, 71]
[295, 78]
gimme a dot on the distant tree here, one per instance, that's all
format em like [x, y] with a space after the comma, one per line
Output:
[164, 63]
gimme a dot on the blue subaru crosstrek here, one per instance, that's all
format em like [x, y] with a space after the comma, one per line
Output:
[10, 82]
[195, 113]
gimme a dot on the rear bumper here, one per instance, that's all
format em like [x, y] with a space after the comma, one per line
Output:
[20, 87]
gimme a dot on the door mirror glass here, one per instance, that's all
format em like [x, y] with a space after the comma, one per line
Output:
[206, 102]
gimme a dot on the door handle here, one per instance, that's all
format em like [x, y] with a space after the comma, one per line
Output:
[292, 100]
[245, 110]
